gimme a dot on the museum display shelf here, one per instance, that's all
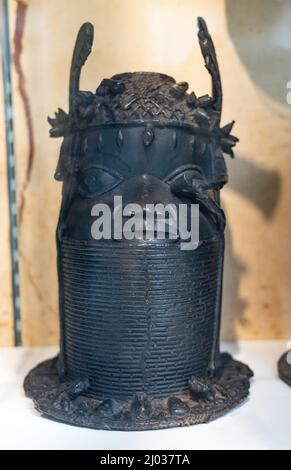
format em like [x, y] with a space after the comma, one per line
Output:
[263, 422]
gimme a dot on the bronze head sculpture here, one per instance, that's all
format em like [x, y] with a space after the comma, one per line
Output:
[140, 318]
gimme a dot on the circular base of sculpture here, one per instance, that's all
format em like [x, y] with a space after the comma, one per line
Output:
[205, 400]
[284, 368]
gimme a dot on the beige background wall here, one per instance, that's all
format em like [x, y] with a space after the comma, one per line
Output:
[253, 43]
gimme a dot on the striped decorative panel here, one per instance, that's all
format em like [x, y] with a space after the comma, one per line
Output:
[137, 317]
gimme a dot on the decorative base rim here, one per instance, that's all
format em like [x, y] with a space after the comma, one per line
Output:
[284, 368]
[205, 400]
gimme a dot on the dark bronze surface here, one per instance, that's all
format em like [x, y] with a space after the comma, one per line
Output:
[202, 401]
[140, 319]
[284, 368]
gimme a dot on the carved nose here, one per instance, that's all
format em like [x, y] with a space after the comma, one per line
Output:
[148, 189]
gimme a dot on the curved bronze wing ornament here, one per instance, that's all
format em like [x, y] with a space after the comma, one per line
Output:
[83, 46]
[63, 123]
[209, 54]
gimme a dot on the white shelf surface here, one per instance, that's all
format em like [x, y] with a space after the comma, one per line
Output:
[262, 422]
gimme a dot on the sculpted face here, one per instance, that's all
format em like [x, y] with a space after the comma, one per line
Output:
[138, 162]
[143, 137]
[116, 155]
